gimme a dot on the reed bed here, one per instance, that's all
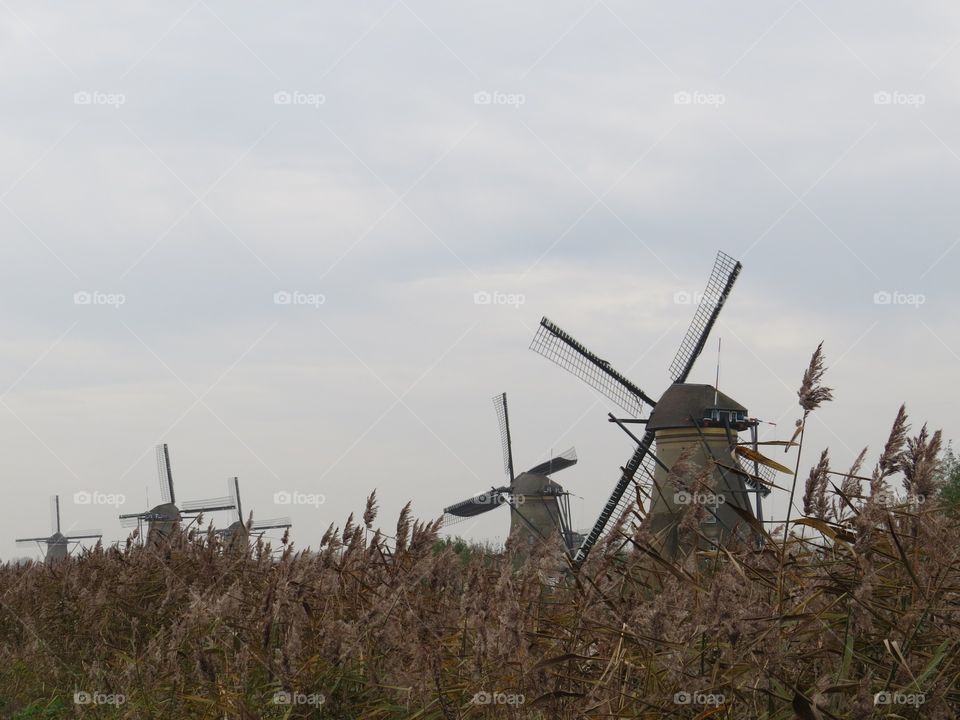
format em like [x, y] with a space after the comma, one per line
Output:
[856, 614]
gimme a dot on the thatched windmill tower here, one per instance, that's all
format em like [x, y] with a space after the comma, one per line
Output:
[58, 543]
[239, 532]
[696, 420]
[162, 519]
[701, 424]
[539, 506]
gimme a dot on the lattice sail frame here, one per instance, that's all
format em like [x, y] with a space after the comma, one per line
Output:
[165, 474]
[722, 277]
[503, 420]
[192, 507]
[477, 505]
[564, 350]
[555, 464]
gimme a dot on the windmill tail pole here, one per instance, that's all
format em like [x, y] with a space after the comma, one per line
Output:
[786, 527]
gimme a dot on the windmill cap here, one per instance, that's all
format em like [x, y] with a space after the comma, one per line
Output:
[683, 401]
[168, 511]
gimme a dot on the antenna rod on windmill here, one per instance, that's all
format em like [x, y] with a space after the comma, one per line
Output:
[716, 387]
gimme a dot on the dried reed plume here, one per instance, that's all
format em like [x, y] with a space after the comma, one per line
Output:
[892, 455]
[815, 502]
[812, 393]
[919, 464]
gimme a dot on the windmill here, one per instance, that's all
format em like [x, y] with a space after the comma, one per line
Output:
[163, 518]
[539, 507]
[58, 543]
[239, 529]
[687, 418]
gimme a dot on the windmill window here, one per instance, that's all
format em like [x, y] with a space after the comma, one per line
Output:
[731, 416]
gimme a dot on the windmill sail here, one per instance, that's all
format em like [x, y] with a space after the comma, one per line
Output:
[556, 464]
[235, 495]
[561, 348]
[615, 503]
[193, 507]
[130, 521]
[165, 474]
[722, 278]
[503, 419]
[54, 514]
[478, 504]
[272, 524]
[83, 534]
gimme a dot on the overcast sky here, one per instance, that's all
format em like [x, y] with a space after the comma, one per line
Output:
[169, 168]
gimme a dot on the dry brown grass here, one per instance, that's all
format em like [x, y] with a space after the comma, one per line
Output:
[401, 626]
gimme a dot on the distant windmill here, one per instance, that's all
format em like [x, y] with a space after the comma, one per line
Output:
[163, 518]
[239, 528]
[539, 507]
[58, 544]
[688, 417]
